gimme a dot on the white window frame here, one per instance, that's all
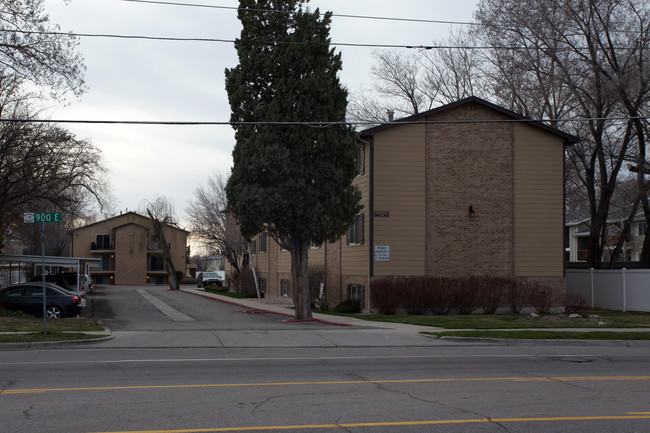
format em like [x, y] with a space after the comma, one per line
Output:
[356, 231]
[285, 288]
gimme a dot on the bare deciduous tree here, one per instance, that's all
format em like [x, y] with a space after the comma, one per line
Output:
[161, 214]
[43, 164]
[585, 59]
[408, 83]
[554, 59]
[33, 48]
[215, 227]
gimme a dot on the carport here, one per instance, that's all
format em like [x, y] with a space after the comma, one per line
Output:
[11, 267]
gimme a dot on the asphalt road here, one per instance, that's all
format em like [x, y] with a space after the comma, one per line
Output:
[412, 388]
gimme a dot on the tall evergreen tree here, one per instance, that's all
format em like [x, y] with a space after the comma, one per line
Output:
[289, 180]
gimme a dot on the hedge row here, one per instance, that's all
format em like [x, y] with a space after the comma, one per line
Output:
[422, 295]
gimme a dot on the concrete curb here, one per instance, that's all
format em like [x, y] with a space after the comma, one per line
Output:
[45, 344]
[540, 342]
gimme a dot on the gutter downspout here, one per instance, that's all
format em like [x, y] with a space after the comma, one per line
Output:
[371, 210]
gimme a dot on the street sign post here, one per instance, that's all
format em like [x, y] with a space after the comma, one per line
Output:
[43, 217]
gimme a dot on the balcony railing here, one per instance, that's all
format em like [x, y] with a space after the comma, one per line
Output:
[95, 247]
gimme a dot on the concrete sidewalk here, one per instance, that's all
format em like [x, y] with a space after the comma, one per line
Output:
[412, 333]
[325, 331]
[286, 309]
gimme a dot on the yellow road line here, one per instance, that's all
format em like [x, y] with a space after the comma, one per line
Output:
[342, 382]
[393, 424]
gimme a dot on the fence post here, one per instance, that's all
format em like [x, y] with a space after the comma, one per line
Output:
[591, 280]
[624, 290]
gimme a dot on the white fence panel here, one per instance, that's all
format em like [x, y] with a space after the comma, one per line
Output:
[621, 289]
[637, 282]
[578, 282]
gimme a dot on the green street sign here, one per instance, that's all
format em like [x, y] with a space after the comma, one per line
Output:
[42, 217]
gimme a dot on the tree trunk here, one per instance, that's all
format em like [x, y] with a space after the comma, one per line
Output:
[174, 284]
[624, 232]
[300, 283]
[252, 266]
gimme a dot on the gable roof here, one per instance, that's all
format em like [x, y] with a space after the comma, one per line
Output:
[568, 138]
[122, 216]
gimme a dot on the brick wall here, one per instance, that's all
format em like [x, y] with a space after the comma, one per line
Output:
[131, 255]
[469, 164]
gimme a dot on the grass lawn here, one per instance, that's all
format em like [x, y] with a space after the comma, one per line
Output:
[55, 329]
[548, 335]
[517, 321]
[33, 337]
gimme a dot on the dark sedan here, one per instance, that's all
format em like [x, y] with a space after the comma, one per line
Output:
[28, 298]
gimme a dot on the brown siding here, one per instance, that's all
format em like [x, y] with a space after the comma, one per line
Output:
[354, 258]
[399, 189]
[539, 208]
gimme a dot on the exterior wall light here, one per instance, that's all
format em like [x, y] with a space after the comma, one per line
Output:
[472, 212]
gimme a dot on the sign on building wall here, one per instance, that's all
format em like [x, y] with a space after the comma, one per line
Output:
[382, 253]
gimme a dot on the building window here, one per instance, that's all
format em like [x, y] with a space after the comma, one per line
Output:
[262, 285]
[284, 288]
[643, 229]
[361, 159]
[103, 242]
[285, 241]
[157, 263]
[262, 243]
[355, 231]
[356, 292]
[106, 263]
[254, 246]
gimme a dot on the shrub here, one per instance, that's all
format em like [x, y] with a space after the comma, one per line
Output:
[247, 284]
[414, 296]
[439, 295]
[384, 295]
[491, 293]
[349, 306]
[516, 294]
[574, 304]
[542, 298]
[465, 294]
[216, 288]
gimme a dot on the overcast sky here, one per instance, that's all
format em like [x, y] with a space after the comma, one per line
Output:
[184, 81]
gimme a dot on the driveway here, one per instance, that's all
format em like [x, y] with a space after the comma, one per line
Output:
[154, 316]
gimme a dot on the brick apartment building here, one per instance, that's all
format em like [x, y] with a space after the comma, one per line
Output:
[457, 198]
[128, 250]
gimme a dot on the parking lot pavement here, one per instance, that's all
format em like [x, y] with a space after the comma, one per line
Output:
[155, 317]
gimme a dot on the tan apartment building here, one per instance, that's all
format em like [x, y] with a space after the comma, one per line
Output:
[468, 188]
[128, 250]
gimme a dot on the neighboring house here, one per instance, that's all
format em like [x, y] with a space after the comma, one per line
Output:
[577, 229]
[128, 250]
[456, 198]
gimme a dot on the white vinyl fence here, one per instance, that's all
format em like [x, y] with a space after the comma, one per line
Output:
[620, 289]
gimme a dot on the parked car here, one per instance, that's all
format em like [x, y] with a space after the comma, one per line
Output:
[28, 298]
[62, 282]
[207, 278]
[86, 282]
[67, 280]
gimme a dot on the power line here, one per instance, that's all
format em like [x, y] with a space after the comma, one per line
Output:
[260, 42]
[319, 124]
[367, 17]
[263, 42]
